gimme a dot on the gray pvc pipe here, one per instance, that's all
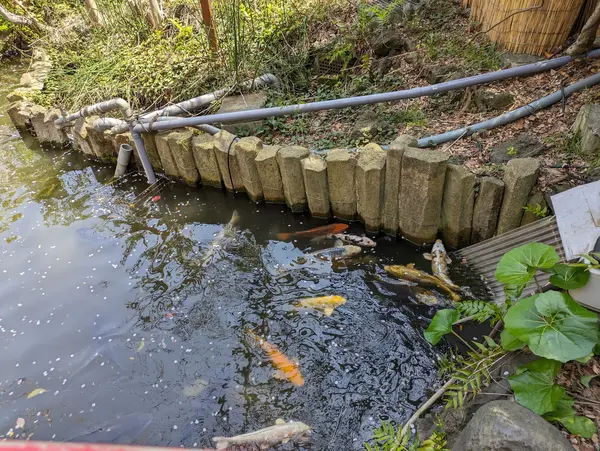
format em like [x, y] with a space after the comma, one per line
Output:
[143, 156]
[511, 116]
[199, 102]
[123, 160]
[165, 123]
[107, 123]
[99, 108]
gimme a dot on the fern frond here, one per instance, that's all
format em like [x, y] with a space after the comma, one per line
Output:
[481, 310]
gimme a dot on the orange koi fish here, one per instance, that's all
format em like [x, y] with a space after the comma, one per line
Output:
[327, 230]
[286, 369]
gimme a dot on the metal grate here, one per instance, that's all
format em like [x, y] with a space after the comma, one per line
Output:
[484, 257]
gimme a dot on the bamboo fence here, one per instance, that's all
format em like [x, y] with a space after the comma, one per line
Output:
[527, 26]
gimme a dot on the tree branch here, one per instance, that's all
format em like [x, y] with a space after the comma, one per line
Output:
[587, 36]
[22, 20]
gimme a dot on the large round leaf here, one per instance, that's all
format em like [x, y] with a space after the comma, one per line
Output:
[441, 324]
[518, 266]
[569, 277]
[553, 325]
[534, 386]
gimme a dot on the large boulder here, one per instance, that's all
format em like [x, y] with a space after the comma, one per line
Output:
[508, 426]
[522, 146]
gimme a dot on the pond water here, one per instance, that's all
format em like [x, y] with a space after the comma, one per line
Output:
[104, 305]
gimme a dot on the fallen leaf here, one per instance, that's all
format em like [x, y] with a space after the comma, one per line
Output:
[141, 346]
[10, 433]
[20, 423]
[131, 358]
[37, 391]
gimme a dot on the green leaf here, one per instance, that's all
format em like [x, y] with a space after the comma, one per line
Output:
[518, 266]
[553, 325]
[441, 325]
[579, 425]
[585, 380]
[569, 277]
[585, 359]
[37, 391]
[534, 386]
[513, 292]
[509, 342]
[565, 414]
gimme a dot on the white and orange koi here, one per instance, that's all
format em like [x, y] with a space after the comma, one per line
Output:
[286, 368]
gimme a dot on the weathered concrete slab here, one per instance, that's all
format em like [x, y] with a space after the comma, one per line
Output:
[270, 177]
[80, 135]
[535, 199]
[227, 160]
[247, 150]
[370, 185]
[20, 114]
[314, 170]
[151, 150]
[393, 172]
[164, 152]
[421, 192]
[520, 177]
[457, 206]
[180, 143]
[341, 175]
[487, 208]
[100, 142]
[289, 159]
[250, 101]
[203, 149]
[42, 121]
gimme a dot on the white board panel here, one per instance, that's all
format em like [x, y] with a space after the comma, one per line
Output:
[578, 217]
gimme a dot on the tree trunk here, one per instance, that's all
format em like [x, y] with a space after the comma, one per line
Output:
[93, 13]
[588, 34]
[155, 14]
[22, 20]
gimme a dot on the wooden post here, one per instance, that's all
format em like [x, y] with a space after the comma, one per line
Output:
[210, 25]
[155, 14]
[92, 9]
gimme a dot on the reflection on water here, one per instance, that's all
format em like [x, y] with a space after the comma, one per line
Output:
[135, 341]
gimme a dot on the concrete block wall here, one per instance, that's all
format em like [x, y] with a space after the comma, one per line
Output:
[403, 191]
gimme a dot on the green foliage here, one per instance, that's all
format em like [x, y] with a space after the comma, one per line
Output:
[553, 325]
[441, 325]
[534, 386]
[387, 438]
[482, 311]
[519, 265]
[537, 210]
[511, 151]
[409, 117]
[569, 277]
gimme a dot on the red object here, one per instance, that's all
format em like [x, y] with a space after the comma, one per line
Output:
[155, 198]
[330, 229]
[20, 445]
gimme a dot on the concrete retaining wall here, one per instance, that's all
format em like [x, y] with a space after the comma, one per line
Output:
[404, 190]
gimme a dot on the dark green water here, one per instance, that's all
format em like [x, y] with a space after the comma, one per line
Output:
[105, 307]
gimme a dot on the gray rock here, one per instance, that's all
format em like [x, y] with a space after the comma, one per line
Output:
[244, 102]
[587, 126]
[519, 59]
[389, 41]
[369, 125]
[507, 426]
[487, 209]
[486, 100]
[457, 206]
[438, 73]
[520, 147]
